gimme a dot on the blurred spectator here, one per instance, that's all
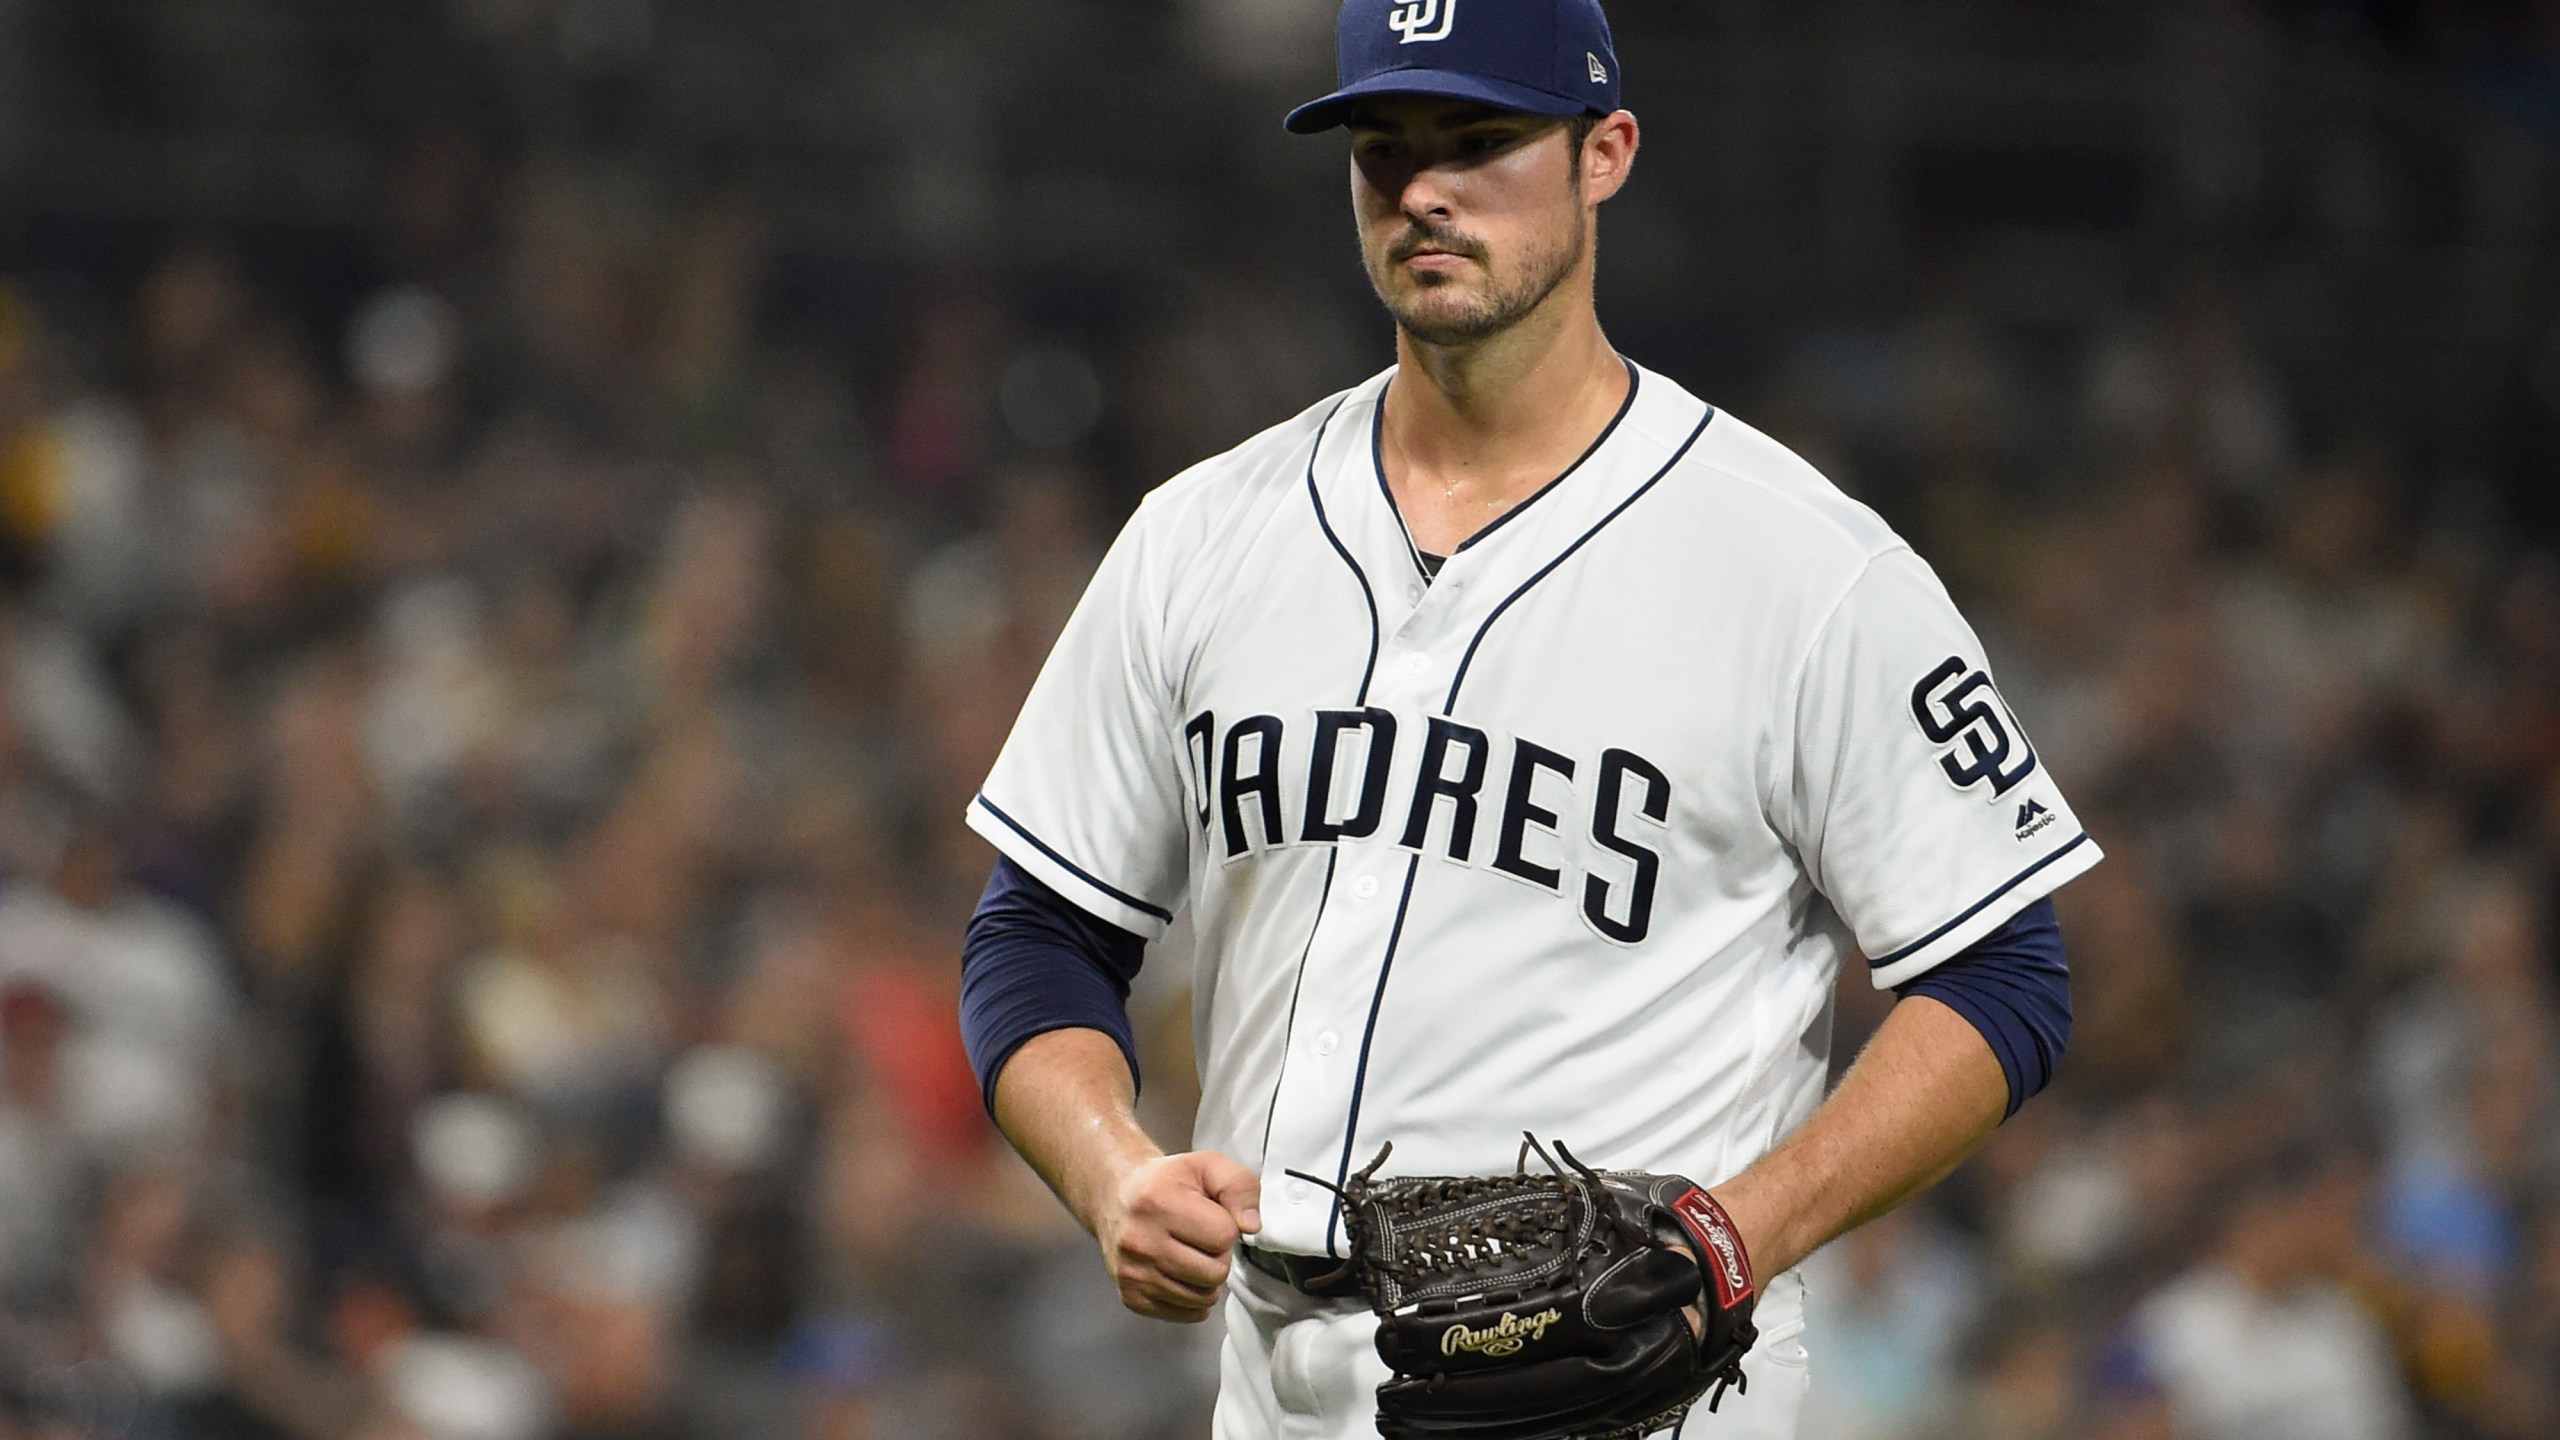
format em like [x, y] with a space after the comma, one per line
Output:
[149, 1006]
[1892, 1303]
[523, 525]
[2267, 1339]
[40, 1156]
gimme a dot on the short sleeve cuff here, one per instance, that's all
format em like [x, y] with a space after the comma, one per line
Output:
[1902, 964]
[1097, 896]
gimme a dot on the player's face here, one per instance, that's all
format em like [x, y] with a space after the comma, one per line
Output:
[1470, 217]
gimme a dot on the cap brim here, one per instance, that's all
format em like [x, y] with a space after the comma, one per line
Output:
[1320, 115]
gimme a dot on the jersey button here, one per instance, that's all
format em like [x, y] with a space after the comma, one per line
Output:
[1365, 888]
[1417, 664]
[1327, 1043]
[1297, 1192]
[1413, 593]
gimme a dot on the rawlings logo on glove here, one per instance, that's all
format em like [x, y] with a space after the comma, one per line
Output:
[1547, 1307]
[1508, 1337]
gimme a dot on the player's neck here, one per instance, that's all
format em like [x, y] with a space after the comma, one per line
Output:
[1473, 430]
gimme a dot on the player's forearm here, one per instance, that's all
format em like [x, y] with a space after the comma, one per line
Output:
[1068, 1104]
[1925, 1093]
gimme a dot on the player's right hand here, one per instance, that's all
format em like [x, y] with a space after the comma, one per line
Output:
[1170, 1231]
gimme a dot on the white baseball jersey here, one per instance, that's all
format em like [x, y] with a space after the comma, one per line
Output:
[1571, 839]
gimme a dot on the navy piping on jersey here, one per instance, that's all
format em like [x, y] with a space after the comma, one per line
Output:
[1072, 868]
[1450, 705]
[1378, 463]
[1368, 1035]
[1333, 854]
[1297, 984]
[1413, 864]
[1368, 596]
[1977, 907]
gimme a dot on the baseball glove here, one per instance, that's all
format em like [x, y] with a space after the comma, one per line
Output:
[1547, 1307]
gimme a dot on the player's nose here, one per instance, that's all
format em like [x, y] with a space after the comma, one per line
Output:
[1425, 198]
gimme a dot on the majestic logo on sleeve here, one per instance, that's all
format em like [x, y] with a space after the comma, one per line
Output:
[1576, 827]
[1423, 20]
[2033, 819]
[1958, 708]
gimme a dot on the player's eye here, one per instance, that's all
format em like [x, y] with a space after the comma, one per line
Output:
[1479, 143]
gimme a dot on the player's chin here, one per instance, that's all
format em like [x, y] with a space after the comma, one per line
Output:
[1432, 294]
[1443, 319]
[1415, 280]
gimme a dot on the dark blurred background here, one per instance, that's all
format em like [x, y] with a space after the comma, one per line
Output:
[523, 521]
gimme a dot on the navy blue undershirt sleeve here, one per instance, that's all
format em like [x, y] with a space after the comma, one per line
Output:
[1033, 961]
[2014, 985]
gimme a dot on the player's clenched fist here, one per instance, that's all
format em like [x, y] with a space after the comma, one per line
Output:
[1169, 1230]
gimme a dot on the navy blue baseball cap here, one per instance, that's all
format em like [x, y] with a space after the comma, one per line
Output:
[1540, 57]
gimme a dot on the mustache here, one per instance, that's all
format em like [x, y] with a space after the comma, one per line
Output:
[1420, 238]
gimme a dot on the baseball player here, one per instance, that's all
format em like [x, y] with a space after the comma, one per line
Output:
[1530, 743]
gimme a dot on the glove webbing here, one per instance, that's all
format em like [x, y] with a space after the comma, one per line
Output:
[1471, 1239]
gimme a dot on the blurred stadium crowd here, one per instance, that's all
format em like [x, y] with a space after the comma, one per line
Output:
[495, 640]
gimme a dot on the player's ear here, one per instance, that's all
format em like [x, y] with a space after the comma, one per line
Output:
[1609, 155]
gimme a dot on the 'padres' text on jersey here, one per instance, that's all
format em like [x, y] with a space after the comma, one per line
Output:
[1570, 839]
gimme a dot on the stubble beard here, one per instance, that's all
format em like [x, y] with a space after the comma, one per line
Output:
[1433, 316]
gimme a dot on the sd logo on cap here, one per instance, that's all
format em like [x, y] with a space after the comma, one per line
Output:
[1538, 57]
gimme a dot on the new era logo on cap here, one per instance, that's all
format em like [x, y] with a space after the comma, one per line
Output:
[1423, 20]
[1536, 57]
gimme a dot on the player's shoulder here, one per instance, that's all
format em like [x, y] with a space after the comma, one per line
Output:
[1266, 467]
[1771, 498]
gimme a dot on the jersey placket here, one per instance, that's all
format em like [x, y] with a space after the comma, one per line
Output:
[1315, 1120]
[1324, 1118]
